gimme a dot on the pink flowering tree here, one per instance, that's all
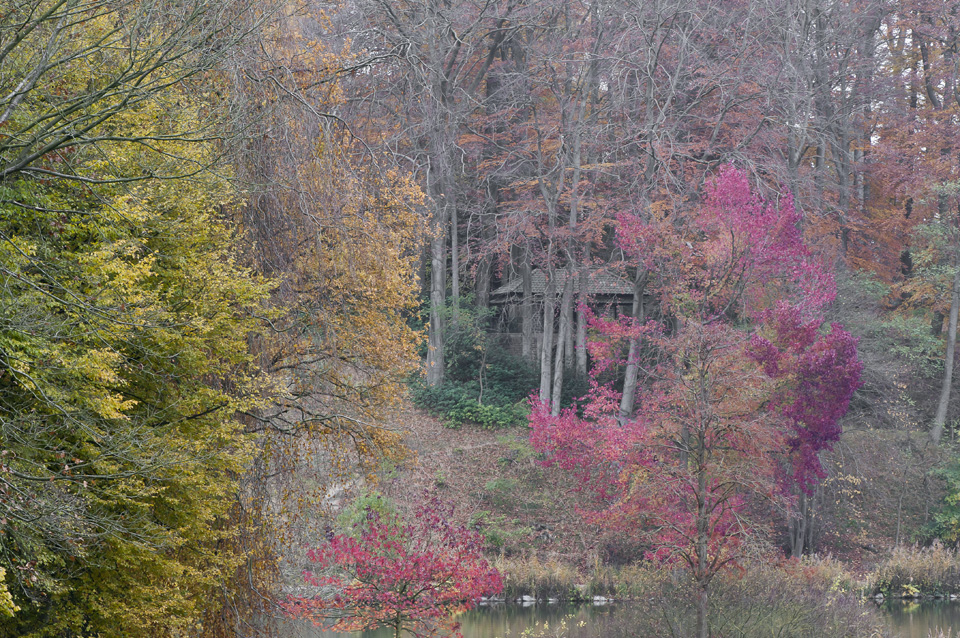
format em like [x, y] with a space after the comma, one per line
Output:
[739, 392]
[411, 577]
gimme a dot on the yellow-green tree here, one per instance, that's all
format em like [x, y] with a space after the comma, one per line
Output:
[154, 359]
[124, 318]
[124, 360]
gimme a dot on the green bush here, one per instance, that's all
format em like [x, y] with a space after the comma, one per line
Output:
[458, 404]
[483, 384]
[353, 520]
[946, 521]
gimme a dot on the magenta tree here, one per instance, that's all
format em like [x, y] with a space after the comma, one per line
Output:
[409, 576]
[737, 390]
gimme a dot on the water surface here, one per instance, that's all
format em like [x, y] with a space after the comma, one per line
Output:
[916, 620]
[905, 620]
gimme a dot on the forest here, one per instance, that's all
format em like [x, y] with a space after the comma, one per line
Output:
[362, 312]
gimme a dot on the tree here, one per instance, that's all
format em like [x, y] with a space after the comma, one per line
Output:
[917, 162]
[408, 576]
[70, 67]
[437, 58]
[122, 332]
[339, 227]
[722, 411]
[124, 316]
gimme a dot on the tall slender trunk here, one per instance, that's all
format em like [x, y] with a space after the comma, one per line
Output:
[546, 343]
[581, 337]
[526, 307]
[549, 314]
[572, 221]
[484, 267]
[841, 161]
[454, 260]
[629, 396]
[551, 196]
[485, 264]
[859, 178]
[703, 557]
[563, 340]
[936, 432]
[566, 316]
[441, 193]
[818, 176]
[438, 289]
[798, 527]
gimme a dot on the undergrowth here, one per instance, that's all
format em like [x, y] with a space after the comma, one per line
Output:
[483, 383]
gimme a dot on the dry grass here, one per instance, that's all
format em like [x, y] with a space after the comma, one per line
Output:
[559, 579]
[912, 572]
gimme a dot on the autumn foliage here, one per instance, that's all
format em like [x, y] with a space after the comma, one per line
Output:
[408, 576]
[150, 339]
[737, 390]
[226, 226]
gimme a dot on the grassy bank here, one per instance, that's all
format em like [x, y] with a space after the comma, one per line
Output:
[560, 580]
[913, 572]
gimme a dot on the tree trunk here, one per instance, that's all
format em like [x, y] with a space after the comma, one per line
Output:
[936, 432]
[546, 345]
[438, 288]
[566, 316]
[629, 396]
[526, 307]
[550, 196]
[703, 613]
[485, 264]
[798, 527]
[818, 177]
[483, 283]
[454, 260]
[841, 162]
[581, 340]
[703, 557]
[563, 339]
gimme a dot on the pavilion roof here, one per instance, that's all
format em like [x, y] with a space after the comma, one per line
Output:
[600, 281]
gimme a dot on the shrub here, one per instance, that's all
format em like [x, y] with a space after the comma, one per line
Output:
[351, 520]
[501, 533]
[459, 404]
[946, 521]
[412, 576]
[483, 384]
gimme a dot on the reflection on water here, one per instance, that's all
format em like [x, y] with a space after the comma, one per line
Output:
[916, 620]
[905, 620]
[495, 621]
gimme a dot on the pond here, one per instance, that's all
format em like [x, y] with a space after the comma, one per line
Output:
[904, 619]
[495, 621]
[915, 620]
